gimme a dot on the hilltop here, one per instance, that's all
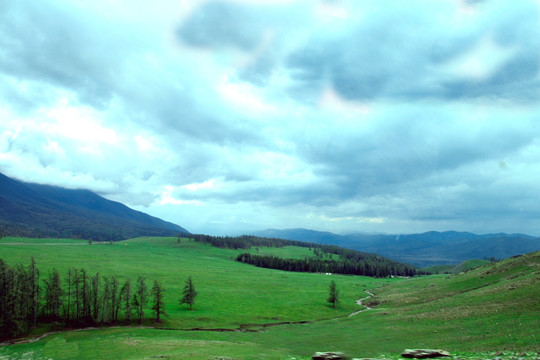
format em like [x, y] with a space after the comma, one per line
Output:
[42, 210]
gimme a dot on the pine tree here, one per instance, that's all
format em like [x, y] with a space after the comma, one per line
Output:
[142, 293]
[125, 295]
[33, 277]
[333, 294]
[95, 297]
[53, 295]
[85, 296]
[158, 303]
[189, 294]
[106, 308]
[69, 281]
[77, 289]
[115, 299]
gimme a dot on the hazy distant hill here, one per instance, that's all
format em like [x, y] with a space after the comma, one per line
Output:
[426, 249]
[57, 212]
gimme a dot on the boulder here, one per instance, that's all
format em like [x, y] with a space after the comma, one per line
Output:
[329, 356]
[424, 353]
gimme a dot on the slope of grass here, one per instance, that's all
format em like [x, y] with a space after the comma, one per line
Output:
[456, 269]
[231, 294]
[473, 315]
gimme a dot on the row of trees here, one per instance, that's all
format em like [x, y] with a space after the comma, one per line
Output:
[366, 267]
[75, 300]
[242, 242]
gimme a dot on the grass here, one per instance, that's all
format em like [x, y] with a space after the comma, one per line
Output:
[230, 294]
[473, 315]
[456, 269]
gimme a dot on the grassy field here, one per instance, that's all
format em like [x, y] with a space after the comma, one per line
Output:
[472, 315]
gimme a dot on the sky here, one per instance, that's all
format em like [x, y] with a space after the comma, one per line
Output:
[226, 117]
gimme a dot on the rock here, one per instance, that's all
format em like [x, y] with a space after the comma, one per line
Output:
[424, 353]
[329, 356]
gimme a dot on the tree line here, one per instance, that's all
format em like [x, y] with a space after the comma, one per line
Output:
[366, 267]
[76, 300]
[350, 261]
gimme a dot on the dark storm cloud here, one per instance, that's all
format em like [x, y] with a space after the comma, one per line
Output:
[398, 53]
[216, 24]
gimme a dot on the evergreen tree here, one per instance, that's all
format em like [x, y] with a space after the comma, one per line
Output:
[76, 279]
[85, 296]
[158, 304]
[33, 284]
[142, 294]
[3, 293]
[333, 294]
[95, 297]
[115, 299]
[189, 294]
[53, 295]
[125, 295]
[69, 281]
[106, 302]
[12, 319]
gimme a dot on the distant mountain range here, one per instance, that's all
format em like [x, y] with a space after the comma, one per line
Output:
[426, 249]
[41, 210]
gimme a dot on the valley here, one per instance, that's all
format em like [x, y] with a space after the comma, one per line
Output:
[246, 312]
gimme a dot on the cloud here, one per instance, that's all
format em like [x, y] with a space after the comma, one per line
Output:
[337, 115]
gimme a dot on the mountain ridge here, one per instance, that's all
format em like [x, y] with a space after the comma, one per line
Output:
[425, 249]
[50, 211]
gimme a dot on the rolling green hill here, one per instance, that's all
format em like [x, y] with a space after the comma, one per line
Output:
[456, 269]
[272, 314]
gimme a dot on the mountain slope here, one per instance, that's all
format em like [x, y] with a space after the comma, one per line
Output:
[53, 211]
[426, 249]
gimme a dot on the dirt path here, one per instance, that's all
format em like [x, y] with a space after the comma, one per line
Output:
[361, 303]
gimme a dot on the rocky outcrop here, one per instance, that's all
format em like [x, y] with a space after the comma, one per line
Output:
[424, 353]
[329, 356]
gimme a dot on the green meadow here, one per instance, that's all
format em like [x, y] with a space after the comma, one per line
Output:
[245, 312]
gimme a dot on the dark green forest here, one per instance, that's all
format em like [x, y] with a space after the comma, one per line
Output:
[349, 267]
[349, 261]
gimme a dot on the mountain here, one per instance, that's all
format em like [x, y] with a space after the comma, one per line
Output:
[41, 210]
[426, 249]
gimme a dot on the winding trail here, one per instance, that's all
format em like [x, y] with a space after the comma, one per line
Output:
[361, 303]
[242, 328]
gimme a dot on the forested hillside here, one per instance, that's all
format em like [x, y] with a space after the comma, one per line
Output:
[47, 211]
[345, 261]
